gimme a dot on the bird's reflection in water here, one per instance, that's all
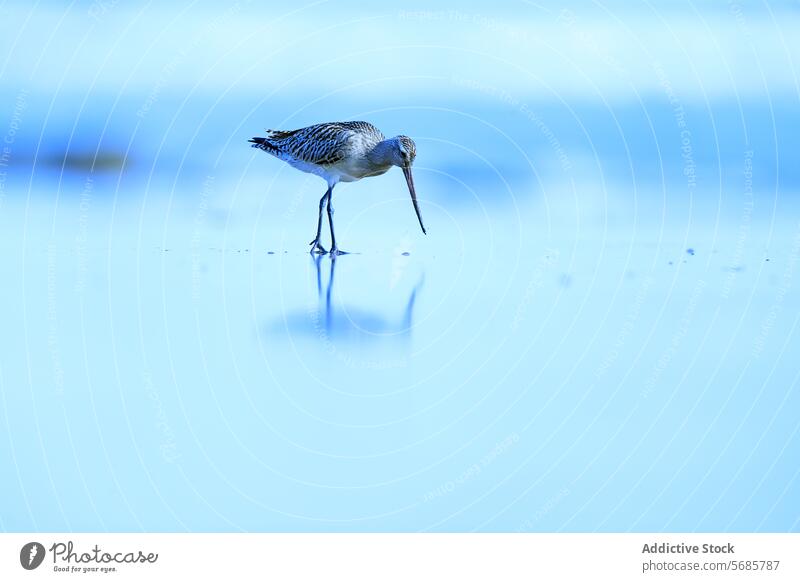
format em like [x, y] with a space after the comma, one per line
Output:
[335, 323]
[344, 322]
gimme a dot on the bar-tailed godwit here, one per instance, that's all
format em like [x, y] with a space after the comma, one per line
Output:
[342, 151]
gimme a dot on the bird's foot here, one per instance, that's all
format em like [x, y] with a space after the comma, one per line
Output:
[335, 252]
[316, 247]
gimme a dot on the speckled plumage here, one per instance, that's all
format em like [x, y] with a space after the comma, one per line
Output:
[341, 151]
[323, 144]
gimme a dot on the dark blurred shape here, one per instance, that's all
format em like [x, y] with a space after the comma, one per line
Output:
[100, 162]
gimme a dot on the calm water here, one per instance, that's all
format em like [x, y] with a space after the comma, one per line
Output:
[598, 332]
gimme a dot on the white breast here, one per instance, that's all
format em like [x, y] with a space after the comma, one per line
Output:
[352, 169]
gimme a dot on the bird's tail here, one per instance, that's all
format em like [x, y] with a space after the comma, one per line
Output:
[258, 142]
[263, 143]
[272, 142]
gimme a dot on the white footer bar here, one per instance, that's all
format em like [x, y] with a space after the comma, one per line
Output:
[406, 557]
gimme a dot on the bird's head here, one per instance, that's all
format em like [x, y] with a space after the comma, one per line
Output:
[406, 151]
[403, 154]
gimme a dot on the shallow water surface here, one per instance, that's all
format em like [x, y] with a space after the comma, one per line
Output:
[503, 373]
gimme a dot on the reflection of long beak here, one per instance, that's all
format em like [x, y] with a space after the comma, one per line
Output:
[410, 181]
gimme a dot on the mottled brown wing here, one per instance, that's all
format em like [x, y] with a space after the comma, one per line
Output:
[322, 144]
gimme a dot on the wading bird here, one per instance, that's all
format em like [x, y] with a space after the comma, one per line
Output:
[342, 151]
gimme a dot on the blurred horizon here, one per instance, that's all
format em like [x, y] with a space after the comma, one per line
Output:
[99, 78]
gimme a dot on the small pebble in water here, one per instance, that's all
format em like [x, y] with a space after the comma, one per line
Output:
[405, 254]
[270, 252]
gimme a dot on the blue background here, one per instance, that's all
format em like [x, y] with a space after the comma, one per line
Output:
[599, 332]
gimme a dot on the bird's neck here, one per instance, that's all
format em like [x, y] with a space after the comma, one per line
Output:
[381, 154]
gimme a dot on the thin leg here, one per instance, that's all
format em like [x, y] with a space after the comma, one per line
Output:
[315, 246]
[334, 249]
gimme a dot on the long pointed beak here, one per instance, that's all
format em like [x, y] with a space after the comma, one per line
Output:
[410, 182]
